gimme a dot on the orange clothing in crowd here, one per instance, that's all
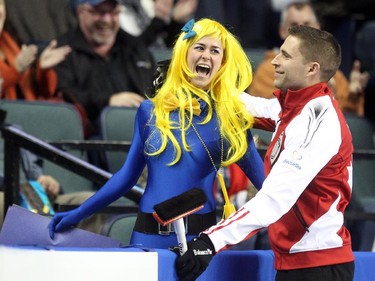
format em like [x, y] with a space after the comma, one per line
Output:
[33, 84]
[262, 86]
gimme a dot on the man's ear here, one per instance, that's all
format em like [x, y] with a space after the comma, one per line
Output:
[314, 68]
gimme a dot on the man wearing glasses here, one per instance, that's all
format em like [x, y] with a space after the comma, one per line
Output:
[107, 66]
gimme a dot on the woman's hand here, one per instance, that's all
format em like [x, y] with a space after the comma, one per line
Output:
[63, 221]
[25, 57]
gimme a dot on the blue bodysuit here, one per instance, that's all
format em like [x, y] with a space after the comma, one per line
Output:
[194, 169]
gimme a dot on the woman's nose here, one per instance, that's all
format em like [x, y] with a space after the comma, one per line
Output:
[206, 54]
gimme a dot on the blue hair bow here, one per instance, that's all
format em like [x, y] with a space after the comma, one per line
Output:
[188, 28]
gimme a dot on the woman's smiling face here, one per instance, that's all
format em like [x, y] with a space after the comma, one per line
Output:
[204, 58]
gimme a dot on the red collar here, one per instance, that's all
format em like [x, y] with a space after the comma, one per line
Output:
[293, 101]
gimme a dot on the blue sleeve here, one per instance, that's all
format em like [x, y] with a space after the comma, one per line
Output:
[252, 163]
[128, 175]
[31, 164]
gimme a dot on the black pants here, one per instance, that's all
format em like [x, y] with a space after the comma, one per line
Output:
[337, 272]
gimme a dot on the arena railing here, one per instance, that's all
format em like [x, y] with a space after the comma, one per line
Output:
[14, 139]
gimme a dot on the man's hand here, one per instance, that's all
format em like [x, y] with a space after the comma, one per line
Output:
[163, 10]
[196, 259]
[358, 80]
[184, 10]
[181, 11]
[52, 55]
[50, 185]
[129, 99]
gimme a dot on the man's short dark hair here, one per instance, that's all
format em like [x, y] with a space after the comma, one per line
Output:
[319, 46]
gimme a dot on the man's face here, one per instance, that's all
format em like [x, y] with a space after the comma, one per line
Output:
[304, 16]
[100, 23]
[204, 58]
[291, 69]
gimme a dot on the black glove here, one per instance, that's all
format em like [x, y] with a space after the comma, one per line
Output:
[196, 259]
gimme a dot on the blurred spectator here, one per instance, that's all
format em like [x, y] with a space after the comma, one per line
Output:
[280, 5]
[107, 66]
[342, 18]
[365, 52]
[161, 19]
[246, 19]
[273, 21]
[349, 95]
[335, 17]
[41, 21]
[361, 10]
[365, 46]
[26, 70]
[34, 172]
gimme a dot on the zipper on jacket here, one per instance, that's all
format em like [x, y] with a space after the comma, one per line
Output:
[300, 217]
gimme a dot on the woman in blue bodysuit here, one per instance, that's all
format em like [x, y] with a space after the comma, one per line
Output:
[194, 125]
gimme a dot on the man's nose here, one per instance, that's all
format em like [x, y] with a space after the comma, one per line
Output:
[275, 61]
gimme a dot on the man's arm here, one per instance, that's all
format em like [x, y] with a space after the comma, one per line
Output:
[261, 107]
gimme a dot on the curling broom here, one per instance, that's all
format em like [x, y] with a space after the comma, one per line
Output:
[176, 208]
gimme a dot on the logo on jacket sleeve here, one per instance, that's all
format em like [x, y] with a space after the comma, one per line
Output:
[294, 161]
[276, 148]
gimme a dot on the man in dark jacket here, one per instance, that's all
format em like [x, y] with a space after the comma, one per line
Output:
[107, 66]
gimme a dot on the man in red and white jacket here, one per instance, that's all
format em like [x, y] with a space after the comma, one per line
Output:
[308, 167]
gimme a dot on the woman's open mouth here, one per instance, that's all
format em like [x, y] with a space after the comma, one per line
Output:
[203, 69]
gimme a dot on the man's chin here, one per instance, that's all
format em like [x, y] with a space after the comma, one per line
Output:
[100, 39]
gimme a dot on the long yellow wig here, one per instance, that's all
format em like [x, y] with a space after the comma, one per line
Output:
[234, 76]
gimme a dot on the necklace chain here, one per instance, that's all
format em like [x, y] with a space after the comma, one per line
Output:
[228, 206]
[206, 148]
